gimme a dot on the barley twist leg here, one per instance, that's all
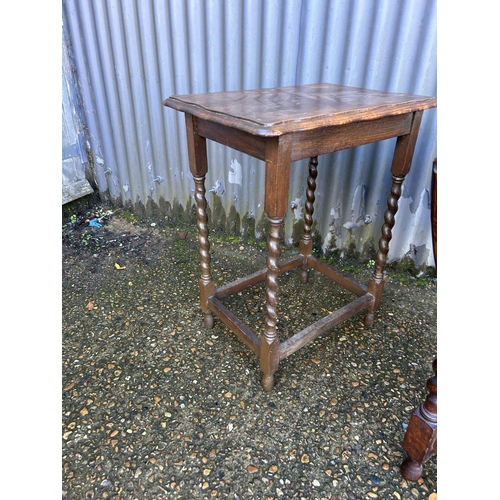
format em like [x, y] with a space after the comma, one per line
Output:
[207, 287]
[376, 284]
[269, 347]
[306, 241]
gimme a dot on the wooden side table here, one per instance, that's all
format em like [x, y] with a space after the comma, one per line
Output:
[279, 126]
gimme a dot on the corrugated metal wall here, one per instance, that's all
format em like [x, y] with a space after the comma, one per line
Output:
[131, 55]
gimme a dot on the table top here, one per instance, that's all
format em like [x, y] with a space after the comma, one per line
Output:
[281, 110]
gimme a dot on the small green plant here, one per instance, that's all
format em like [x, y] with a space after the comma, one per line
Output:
[370, 264]
[73, 219]
[129, 216]
[86, 237]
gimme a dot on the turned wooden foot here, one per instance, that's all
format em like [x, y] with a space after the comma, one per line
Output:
[209, 320]
[420, 441]
[411, 469]
[303, 276]
[369, 318]
[267, 382]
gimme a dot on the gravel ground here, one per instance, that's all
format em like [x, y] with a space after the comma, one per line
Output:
[154, 406]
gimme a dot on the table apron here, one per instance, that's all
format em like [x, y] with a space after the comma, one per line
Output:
[253, 145]
[335, 138]
[309, 143]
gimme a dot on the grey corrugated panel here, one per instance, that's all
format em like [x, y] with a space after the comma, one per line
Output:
[129, 56]
[77, 42]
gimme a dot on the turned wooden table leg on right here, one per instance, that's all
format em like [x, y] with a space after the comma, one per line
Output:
[401, 163]
[376, 284]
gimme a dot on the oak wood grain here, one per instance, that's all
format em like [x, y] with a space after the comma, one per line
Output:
[280, 110]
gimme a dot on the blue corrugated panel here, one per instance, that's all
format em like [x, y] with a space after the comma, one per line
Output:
[131, 55]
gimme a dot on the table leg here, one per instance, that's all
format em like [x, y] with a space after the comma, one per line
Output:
[401, 163]
[198, 165]
[278, 161]
[207, 286]
[270, 345]
[376, 284]
[306, 241]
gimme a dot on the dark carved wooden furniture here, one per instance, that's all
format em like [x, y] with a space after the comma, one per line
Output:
[420, 441]
[279, 126]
